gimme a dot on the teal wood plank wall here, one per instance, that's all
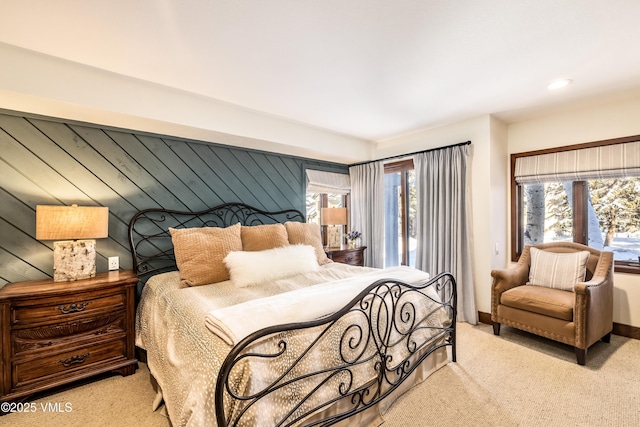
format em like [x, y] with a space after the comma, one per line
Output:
[49, 162]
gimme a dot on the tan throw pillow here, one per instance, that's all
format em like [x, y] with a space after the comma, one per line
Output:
[557, 270]
[199, 253]
[263, 237]
[302, 233]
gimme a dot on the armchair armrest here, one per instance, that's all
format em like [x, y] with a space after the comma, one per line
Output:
[506, 279]
[602, 276]
[590, 286]
[593, 311]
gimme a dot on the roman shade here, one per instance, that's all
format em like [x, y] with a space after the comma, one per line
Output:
[607, 161]
[327, 182]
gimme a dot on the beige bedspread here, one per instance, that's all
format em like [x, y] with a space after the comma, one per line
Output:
[183, 355]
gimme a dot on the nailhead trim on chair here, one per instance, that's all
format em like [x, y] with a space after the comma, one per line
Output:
[537, 331]
[578, 317]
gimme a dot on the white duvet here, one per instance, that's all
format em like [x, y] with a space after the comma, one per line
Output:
[232, 323]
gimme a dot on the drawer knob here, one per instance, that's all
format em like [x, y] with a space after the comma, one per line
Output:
[74, 360]
[73, 308]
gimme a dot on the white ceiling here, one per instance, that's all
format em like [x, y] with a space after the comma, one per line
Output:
[373, 69]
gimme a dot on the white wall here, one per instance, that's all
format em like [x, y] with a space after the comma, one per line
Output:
[39, 84]
[586, 125]
[498, 190]
[488, 191]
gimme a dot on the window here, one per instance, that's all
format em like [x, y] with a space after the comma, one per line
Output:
[317, 201]
[588, 194]
[400, 214]
[547, 213]
[325, 190]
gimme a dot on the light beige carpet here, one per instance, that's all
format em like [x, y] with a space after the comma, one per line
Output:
[519, 379]
[516, 379]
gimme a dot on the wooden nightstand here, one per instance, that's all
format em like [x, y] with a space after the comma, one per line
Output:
[54, 333]
[346, 255]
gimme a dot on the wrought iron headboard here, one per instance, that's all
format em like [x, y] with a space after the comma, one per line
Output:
[150, 240]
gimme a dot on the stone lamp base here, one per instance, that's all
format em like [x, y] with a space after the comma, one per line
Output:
[334, 236]
[74, 260]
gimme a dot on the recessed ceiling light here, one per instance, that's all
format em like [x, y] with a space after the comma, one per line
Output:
[559, 84]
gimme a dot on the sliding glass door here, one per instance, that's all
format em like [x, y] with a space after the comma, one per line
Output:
[400, 214]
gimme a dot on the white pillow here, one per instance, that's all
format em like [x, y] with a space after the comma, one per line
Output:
[251, 268]
[557, 270]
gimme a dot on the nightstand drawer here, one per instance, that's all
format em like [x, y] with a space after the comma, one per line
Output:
[58, 336]
[64, 363]
[351, 256]
[64, 309]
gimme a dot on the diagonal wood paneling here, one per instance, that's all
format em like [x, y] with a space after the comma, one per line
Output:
[47, 161]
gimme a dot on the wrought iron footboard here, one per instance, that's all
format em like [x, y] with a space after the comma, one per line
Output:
[353, 358]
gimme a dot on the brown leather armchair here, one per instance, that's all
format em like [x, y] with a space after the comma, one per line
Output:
[578, 318]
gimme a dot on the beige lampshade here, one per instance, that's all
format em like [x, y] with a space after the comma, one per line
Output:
[333, 216]
[71, 222]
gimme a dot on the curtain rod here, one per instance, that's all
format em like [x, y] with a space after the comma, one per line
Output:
[411, 154]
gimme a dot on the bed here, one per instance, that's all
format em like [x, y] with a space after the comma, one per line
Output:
[318, 345]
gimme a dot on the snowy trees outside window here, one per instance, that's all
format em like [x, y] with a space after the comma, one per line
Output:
[603, 214]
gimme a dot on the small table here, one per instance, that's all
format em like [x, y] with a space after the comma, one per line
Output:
[347, 255]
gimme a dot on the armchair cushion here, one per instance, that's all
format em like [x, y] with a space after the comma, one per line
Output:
[548, 302]
[557, 270]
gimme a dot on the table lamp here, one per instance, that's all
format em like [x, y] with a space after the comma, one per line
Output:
[74, 228]
[332, 217]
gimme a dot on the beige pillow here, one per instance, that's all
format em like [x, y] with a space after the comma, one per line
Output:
[199, 252]
[557, 270]
[302, 233]
[263, 237]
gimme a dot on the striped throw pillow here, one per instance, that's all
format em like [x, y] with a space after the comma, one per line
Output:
[557, 271]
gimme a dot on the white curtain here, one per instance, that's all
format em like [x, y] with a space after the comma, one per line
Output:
[367, 209]
[443, 219]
